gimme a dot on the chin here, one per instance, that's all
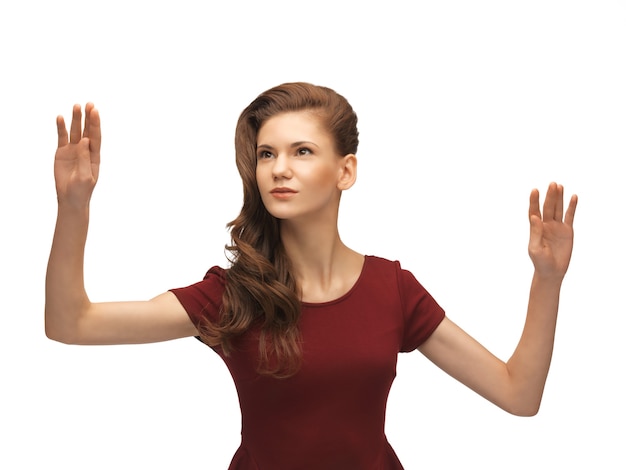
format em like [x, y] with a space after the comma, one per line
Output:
[281, 215]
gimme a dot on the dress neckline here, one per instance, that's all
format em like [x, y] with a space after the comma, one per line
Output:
[344, 296]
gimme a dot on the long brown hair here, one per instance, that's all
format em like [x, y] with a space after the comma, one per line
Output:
[260, 287]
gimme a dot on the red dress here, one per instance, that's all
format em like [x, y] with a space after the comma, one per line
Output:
[331, 414]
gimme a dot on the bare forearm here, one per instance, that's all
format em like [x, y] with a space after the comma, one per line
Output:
[528, 366]
[66, 298]
[517, 385]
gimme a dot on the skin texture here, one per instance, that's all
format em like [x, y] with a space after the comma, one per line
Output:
[69, 314]
[517, 385]
[295, 151]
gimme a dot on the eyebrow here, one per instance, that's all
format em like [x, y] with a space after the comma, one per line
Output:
[293, 145]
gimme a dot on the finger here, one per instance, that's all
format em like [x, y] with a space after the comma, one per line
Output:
[536, 235]
[571, 210]
[76, 123]
[558, 208]
[95, 135]
[549, 205]
[88, 108]
[533, 208]
[61, 131]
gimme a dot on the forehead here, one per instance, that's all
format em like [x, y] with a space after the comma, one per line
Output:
[292, 126]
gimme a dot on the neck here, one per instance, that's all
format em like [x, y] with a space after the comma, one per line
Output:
[324, 267]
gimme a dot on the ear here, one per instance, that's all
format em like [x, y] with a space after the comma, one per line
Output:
[347, 172]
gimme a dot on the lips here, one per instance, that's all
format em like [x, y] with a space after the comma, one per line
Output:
[283, 191]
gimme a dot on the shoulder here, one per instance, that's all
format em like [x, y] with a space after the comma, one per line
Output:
[378, 265]
[419, 312]
[377, 262]
[203, 298]
[385, 274]
[391, 272]
[216, 273]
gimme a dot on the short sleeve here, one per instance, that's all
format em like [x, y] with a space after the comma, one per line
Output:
[422, 314]
[203, 300]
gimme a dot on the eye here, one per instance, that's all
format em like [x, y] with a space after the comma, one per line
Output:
[302, 151]
[264, 154]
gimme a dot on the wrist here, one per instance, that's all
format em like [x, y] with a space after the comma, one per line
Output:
[72, 208]
[548, 279]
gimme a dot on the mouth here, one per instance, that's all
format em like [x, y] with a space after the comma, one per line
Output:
[282, 192]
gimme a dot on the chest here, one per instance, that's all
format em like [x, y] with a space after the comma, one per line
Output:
[349, 344]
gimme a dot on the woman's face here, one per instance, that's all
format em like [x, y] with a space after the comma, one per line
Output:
[298, 172]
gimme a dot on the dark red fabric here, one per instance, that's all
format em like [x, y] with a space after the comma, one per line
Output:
[331, 414]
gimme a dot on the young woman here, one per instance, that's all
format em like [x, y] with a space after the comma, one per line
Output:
[309, 329]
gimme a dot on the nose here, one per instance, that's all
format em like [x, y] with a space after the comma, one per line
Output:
[281, 167]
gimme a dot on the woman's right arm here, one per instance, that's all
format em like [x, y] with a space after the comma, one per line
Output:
[69, 314]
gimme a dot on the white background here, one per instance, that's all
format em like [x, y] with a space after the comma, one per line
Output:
[464, 107]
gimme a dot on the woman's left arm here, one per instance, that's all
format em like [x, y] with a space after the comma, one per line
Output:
[517, 385]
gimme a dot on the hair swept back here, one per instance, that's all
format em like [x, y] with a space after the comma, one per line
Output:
[260, 287]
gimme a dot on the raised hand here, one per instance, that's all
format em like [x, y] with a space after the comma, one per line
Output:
[77, 159]
[551, 235]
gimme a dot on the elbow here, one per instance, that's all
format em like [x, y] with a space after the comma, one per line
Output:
[523, 408]
[522, 397]
[57, 334]
[525, 413]
[59, 331]
[64, 319]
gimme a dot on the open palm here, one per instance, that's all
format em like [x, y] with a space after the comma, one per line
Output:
[77, 159]
[551, 234]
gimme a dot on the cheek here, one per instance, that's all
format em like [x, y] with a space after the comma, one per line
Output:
[259, 176]
[324, 177]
